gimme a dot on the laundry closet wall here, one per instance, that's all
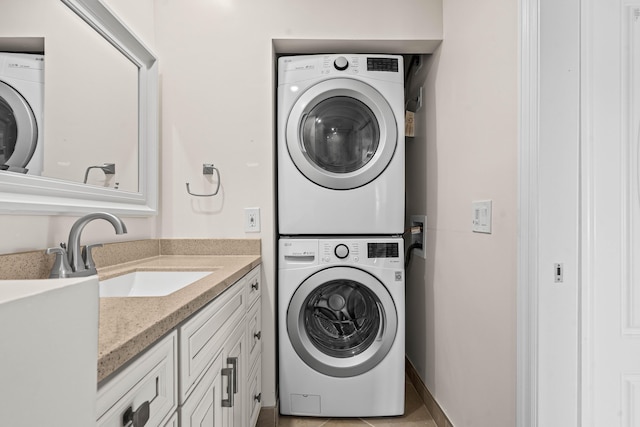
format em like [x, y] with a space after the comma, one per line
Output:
[461, 300]
[217, 66]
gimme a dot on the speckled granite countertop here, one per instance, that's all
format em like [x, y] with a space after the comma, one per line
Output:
[129, 325]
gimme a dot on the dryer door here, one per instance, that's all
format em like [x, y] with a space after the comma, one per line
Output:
[342, 321]
[18, 129]
[341, 134]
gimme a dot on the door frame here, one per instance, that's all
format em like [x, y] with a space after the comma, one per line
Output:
[549, 315]
[527, 276]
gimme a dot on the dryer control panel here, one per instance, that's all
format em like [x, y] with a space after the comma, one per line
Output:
[295, 69]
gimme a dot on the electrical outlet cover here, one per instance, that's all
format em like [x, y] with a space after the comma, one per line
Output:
[252, 220]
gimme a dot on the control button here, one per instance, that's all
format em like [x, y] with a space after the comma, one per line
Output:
[341, 63]
[356, 259]
[326, 259]
[341, 251]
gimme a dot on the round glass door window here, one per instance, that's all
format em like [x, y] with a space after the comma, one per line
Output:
[342, 321]
[341, 134]
[8, 131]
[342, 318]
[18, 129]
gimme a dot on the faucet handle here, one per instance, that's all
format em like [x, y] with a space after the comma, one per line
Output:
[89, 263]
[61, 267]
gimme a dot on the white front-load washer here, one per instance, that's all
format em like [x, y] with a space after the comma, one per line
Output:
[340, 143]
[341, 326]
[21, 112]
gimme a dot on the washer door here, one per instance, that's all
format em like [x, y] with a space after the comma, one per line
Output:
[341, 134]
[18, 128]
[342, 321]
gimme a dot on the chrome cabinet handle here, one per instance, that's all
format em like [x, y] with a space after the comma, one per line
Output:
[228, 372]
[233, 361]
[137, 418]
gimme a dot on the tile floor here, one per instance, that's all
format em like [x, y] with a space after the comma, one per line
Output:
[415, 414]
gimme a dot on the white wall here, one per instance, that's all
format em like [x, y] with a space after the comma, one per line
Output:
[218, 77]
[24, 232]
[461, 301]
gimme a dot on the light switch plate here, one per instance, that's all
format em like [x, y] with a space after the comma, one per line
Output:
[481, 216]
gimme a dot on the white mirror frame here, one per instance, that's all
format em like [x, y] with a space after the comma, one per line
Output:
[25, 194]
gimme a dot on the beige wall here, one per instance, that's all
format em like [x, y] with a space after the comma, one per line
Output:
[461, 302]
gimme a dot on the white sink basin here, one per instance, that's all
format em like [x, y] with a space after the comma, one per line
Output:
[149, 283]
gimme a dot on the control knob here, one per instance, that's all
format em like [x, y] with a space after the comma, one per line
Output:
[341, 251]
[341, 63]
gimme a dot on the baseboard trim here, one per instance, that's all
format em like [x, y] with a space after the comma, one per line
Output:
[432, 406]
[268, 416]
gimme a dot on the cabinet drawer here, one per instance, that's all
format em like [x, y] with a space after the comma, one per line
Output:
[150, 378]
[202, 336]
[254, 285]
[254, 395]
[254, 332]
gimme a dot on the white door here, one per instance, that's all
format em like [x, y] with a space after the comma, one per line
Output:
[611, 214]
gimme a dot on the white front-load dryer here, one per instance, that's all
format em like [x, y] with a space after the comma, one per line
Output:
[21, 112]
[340, 143]
[341, 327]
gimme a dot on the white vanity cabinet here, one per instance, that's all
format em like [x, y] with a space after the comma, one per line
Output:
[216, 354]
[215, 368]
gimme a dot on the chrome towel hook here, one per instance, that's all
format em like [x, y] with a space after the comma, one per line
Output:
[207, 169]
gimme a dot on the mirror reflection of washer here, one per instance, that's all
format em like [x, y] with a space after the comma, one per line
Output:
[341, 326]
[21, 112]
[340, 143]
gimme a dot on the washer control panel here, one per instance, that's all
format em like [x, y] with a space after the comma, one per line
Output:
[368, 252]
[380, 252]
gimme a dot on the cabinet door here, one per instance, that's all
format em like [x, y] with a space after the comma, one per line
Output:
[235, 357]
[150, 379]
[202, 336]
[203, 408]
[173, 421]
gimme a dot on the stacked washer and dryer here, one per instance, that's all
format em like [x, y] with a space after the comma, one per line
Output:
[341, 307]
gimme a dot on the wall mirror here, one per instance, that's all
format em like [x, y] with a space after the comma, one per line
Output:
[100, 122]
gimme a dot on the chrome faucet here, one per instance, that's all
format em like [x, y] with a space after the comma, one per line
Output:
[70, 261]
